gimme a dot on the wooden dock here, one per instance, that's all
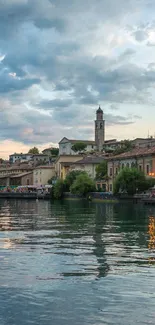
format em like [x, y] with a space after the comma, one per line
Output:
[148, 201]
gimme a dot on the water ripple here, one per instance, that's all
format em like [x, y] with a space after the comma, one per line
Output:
[76, 263]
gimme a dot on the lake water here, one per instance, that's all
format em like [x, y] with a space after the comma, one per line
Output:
[76, 263]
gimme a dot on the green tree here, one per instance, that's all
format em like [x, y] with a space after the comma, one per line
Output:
[71, 177]
[55, 152]
[58, 189]
[82, 185]
[79, 147]
[34, 151]
[130, 181]
[126, 145]
[101, 170]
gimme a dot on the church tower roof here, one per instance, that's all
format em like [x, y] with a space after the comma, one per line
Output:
[99, 110]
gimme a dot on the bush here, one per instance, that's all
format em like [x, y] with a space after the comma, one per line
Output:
[71, 177]
[82, 185]
[58, 189]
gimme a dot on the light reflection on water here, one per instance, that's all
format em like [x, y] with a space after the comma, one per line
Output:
[76, 263]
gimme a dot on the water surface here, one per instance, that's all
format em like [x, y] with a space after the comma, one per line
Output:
[76, 263]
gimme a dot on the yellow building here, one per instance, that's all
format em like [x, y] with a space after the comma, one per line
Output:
[59, 164]
[87, 164]
[143, 158]
[42, 174]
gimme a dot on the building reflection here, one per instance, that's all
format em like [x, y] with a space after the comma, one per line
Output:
[99, 243]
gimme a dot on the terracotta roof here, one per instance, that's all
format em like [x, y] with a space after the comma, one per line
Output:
[134, 153]
[44, 167]
[90, 160]
[83, 141]
[21, 175]
[16, 168]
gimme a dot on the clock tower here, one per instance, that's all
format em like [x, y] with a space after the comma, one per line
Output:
[99, 129]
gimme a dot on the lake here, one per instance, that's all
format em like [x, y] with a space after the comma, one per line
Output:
[76, 263]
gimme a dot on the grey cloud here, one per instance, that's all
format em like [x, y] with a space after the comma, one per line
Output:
[118, 120]
[150, 44]
[45, 44]
[127, 53]
[54, 103]
[140, 35]
[11, 83]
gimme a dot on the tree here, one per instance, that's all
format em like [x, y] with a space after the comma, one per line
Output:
[34, 151]
[71, 177]
[58, 189]
[130, 181]
[79, 147]
[55, 152]
[82, 185]
[101, 170]
[126, 145]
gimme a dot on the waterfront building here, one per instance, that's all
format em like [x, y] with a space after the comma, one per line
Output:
[87, 164]
[64, 159]
[8, 174]
[42, 174]
[142, 158]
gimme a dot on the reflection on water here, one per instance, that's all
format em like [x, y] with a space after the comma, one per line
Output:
[51, 255]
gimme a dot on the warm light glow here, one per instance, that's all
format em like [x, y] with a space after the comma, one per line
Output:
[151, 232]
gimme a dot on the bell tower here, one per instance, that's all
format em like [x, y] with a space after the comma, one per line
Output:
[99, 129]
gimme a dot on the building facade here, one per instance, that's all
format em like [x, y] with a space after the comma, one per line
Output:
[20, 157]
[141, 158]
[24, 179]
[68, 159]
[87, 164]
[42, 174]
[65, 146]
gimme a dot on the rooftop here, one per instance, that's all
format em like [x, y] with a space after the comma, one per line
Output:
[135, 153]
[21, 175]
[44, 167]
[83, 141]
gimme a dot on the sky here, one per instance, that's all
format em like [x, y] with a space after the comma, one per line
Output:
[60, 59]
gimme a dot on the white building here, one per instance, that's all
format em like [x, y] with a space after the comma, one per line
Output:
[65, 146]
[27, 157]
[20, 157]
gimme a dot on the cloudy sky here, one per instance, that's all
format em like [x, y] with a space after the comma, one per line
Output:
[60, 59]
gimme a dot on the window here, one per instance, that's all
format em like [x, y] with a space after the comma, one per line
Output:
[140, 167]
[110, 187]
[147, 169]
[92, 146]
[110, 171]
[116, 170]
